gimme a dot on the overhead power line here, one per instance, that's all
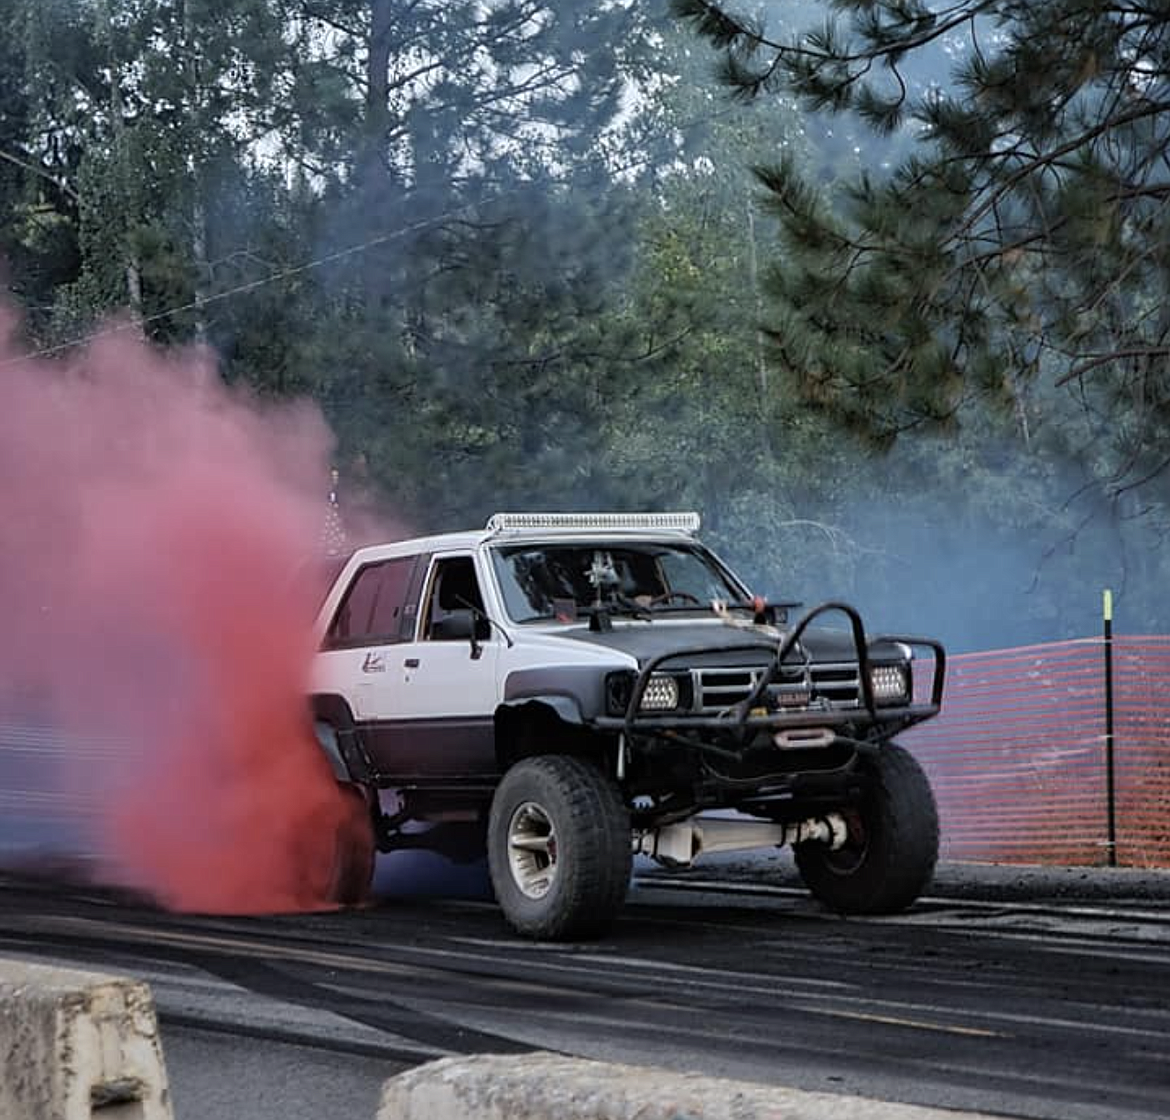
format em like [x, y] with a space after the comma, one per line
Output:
[239, 289]
[138, 322]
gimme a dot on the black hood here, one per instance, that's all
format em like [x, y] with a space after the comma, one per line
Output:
[648, 640]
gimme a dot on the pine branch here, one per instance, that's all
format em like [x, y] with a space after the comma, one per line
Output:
[724, 31]
[1098, 360]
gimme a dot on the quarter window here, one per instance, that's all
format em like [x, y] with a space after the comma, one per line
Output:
[372, 610]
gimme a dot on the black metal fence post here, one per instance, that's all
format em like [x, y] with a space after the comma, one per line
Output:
[1110, 791]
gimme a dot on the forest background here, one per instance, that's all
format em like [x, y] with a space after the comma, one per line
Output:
[520, 255]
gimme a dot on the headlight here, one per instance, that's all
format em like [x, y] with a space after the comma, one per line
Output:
[891, 684]
[661, 693]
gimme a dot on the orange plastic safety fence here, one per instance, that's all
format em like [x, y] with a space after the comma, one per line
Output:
[1018, 757]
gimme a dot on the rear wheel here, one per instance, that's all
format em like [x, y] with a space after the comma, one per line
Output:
[559, 848]
[889, 856]
[353, 850]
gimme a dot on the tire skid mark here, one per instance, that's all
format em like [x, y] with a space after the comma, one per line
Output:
[566, 978]
[383, 1013]
[924, 1005]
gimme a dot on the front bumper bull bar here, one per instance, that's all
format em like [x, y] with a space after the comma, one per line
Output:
[744, 721]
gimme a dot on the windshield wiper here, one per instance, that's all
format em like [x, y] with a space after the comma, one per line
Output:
[600, 612]
[633, 607]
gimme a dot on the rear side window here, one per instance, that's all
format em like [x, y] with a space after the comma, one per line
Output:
[373, 608]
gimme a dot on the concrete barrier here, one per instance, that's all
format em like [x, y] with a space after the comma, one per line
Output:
[545, 1086]
[78, 1046]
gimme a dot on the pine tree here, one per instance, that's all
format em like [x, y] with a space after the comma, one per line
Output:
[1025, 238]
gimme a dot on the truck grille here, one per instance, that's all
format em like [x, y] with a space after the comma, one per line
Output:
[831, 684]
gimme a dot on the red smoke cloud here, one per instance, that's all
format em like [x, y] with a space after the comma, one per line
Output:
[155, 528]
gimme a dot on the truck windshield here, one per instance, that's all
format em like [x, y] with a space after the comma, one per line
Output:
[555, 580]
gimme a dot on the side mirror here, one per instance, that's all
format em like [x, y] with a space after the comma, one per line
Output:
[456, 625]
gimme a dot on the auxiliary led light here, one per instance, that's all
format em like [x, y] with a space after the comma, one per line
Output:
[661, 694]
[890, 683]
[677, 522]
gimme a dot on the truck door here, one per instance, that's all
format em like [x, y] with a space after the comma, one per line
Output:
[445, 688]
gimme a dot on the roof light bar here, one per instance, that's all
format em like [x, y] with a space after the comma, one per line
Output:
[676, 522]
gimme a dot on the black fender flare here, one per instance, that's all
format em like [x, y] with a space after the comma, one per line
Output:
[526, 724]
[326, 735]
[576, 693]
[337, 735]
[567, 708]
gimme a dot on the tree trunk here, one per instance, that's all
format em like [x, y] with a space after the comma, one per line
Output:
[373, 157]
[764, 412]
[132, 266]
[194, 82]
[754, 275]
[199, 254]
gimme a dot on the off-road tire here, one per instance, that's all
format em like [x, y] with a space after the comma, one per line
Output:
[890, 855]
[354, 853]
[591, 858]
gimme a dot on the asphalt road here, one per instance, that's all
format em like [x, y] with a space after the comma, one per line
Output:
[1022, 993]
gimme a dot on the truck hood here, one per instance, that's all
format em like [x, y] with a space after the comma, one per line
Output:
[708, 641]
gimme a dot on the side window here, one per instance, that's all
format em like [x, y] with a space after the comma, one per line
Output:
[372, 610]
[453, 587]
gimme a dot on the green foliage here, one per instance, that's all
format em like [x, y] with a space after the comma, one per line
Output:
[991, 308]
[525, 255]
[1025, 238]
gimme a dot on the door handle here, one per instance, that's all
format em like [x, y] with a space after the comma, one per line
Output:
[411, 663]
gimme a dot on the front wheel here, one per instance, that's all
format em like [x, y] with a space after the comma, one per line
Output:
[892, 846]
[559, 848]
